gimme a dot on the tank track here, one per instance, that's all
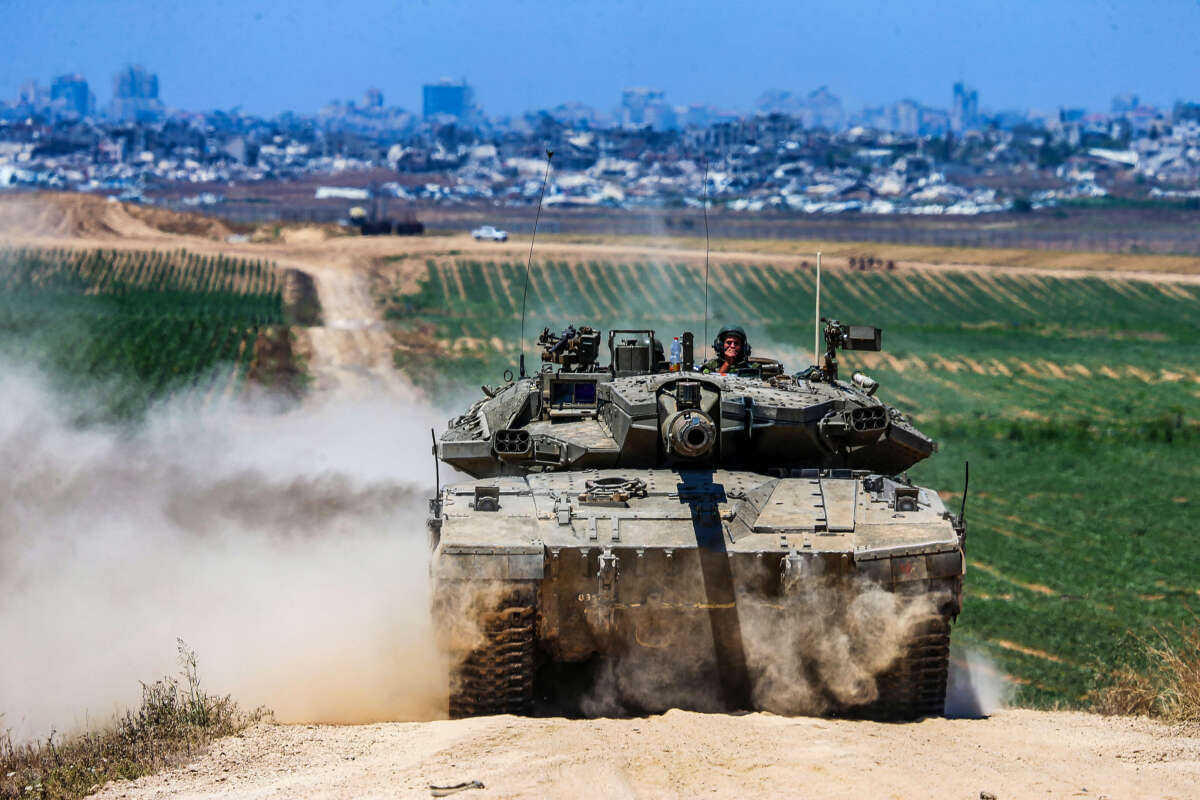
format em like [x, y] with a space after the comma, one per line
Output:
[497, 677]
[915, 686]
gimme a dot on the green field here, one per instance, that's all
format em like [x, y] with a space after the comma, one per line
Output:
[128, 328]
[1076, 401]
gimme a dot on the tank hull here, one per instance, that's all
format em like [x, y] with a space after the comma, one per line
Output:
[640, 590]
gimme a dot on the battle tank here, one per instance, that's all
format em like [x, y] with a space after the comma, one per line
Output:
[714, 541]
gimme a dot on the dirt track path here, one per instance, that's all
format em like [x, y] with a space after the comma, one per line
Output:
[1014, 754]
[352, 350]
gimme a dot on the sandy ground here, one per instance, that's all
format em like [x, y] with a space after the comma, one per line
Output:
[678, 754]
[1013, 754]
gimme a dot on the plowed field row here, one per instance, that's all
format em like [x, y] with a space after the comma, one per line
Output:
[563, 290]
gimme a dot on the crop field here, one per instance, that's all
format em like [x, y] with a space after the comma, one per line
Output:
[131, 327]
[1075, 400]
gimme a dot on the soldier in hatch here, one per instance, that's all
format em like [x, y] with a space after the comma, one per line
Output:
[733, 351]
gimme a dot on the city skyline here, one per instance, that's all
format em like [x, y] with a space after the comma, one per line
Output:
[139, 100]
[271, 57]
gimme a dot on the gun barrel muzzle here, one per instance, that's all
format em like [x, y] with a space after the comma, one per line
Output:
[689, 433]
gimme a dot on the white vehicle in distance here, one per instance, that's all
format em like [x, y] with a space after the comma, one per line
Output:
[490, 233]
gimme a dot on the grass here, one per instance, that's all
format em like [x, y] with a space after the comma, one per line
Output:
[1075, 400]
[176, 721]
[1169, 688]
[133, 327]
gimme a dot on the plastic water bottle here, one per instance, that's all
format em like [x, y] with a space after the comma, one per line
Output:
[676, 354]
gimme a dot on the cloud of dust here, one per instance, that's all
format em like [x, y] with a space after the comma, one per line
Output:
[827, 645]
[978, 687]
[288, 550]
[820, 649]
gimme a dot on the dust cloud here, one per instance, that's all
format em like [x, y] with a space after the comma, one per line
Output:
[818, 651]
[827, 646]
[288, 550]
[978, 688]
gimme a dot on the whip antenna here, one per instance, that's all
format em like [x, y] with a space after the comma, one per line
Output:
[705, 206]
[817, 316]
[962, 511]
[528, 261]
[525, 293]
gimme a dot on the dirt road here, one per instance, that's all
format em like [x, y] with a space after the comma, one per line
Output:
[352, 349]
[1013, 754]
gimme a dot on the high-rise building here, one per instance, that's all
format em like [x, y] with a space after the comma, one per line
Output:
[373, 98]
[452, 98]
[699, 115]
[1124, 103]
[822, 109]
[72, 90]
[32, 95]
[934, 122]
[906, 117]
[135, 83]
[135, 95]
[641, 106]
[964, 111]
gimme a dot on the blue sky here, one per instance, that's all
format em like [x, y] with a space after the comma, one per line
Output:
[300, 54]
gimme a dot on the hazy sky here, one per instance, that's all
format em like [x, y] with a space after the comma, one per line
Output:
[300, 54]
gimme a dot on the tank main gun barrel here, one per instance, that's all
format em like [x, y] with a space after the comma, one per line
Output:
[689, 433]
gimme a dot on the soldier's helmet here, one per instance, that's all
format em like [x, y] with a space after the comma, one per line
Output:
[732, 330]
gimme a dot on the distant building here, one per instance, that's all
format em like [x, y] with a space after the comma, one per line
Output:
[876, 117]
[820, 108]
[699, 115]
[934, 121]
[1124, 103]
[135, 95]
[575, 114]
[452, 98]
[32, 95]
[642, 107]
[823, 109]
[1006, 119]
[72, 91]
[373, 98]
[906, 116]
[964, 111]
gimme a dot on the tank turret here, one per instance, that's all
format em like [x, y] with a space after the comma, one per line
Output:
[635, 412]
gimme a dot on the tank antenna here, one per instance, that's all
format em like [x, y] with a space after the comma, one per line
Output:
[817, 317]
[529, 261]
[962, 511]
[704, 205]
[437, 477]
